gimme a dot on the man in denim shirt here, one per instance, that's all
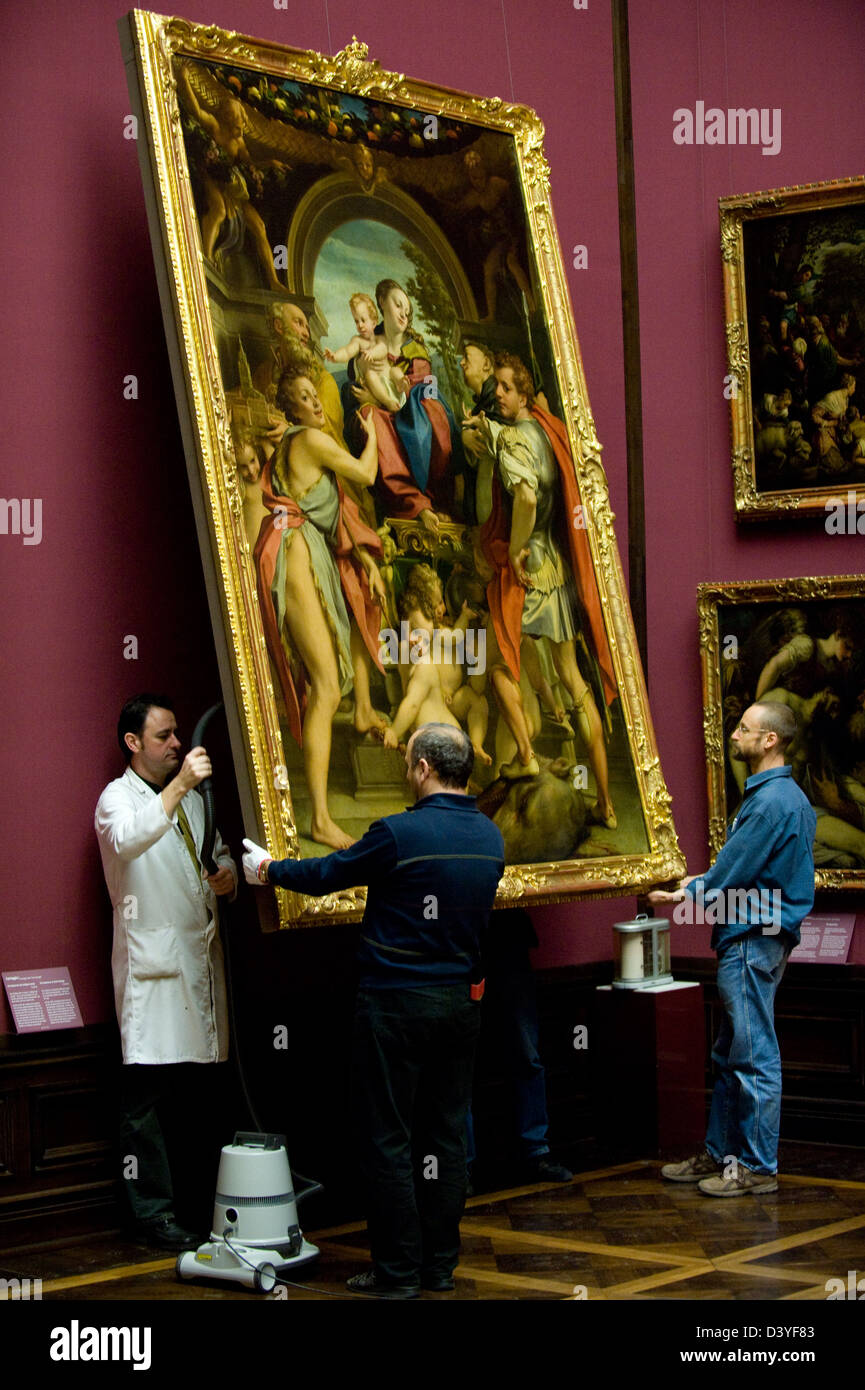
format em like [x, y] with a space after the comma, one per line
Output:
[756, 895]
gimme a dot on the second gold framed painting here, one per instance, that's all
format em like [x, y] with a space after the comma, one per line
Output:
[794, 297]
[800, 643]
[401, 507]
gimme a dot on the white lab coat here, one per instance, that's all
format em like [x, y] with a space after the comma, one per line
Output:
[169, 978]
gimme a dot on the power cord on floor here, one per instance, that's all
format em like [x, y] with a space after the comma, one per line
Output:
[293, 1284]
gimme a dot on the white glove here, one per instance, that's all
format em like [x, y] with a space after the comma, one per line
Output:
[252, 861]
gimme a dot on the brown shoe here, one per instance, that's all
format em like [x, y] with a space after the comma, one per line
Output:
[741, 1185]
[702, 1165]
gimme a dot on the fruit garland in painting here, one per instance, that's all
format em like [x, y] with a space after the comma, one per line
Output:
[346, 118]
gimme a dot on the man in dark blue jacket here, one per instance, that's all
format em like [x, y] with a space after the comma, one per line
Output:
[431, 876]
[756, 895]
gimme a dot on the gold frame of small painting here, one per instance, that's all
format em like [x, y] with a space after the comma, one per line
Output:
[800, 642]
[794, 304]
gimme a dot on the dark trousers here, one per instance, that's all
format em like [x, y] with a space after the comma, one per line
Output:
[412, 1063]
[164, 1110]
[510, 1024]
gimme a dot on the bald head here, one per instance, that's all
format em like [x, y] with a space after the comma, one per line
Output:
[447, 751]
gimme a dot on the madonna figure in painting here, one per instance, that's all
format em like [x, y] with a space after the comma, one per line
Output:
[418, 443]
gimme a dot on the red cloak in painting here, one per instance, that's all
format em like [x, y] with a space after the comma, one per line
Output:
[506, 596]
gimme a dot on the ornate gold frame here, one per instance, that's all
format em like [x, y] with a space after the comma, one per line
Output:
[752, 504]
[150, 42]
[776, 591]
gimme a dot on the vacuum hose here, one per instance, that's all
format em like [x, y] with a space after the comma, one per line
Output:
[205, 789]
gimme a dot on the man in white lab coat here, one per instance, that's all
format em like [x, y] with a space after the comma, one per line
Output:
[169, 979]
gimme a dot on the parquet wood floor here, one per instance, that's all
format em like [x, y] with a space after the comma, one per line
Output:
[613, 1233]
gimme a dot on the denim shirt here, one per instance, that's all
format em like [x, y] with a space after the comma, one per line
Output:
[763, 878]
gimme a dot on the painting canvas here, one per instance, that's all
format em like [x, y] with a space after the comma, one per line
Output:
[403, 513]
[800, 642]
[794, 286]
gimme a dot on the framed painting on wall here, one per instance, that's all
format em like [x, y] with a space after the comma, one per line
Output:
[800, 642]
[794, 298]
[401, 506]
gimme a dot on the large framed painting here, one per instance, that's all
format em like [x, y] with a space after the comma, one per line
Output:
[800, 642]
[794, 296]
[402, 511]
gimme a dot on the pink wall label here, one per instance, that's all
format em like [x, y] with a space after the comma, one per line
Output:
[42, 999]
[826, 940]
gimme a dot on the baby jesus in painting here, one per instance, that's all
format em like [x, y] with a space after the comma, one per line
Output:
[384, 381]
[434, 685]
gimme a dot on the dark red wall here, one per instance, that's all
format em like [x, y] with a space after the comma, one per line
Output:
[118, 555]
[737, 53]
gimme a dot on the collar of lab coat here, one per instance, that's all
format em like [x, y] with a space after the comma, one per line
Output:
[141, 789]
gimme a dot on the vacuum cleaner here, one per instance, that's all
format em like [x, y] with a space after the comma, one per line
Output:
[255, 1236]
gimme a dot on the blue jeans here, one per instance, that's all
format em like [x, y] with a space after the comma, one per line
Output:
[746, 1103]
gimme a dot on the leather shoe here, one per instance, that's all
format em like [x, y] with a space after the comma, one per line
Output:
[165, 1234]
[369, 1282]
[544, 1169]
[437, 1283]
